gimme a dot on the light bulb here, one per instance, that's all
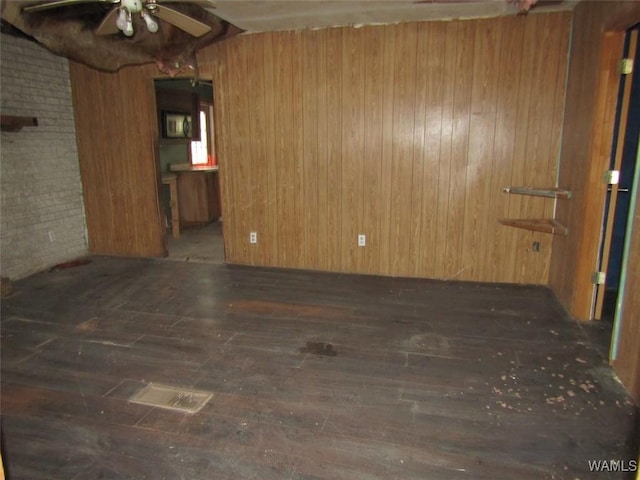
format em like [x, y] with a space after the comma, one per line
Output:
[121, 22]
[128, 29]
[152, 25]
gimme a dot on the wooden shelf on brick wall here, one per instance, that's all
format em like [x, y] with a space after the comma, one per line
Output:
[11, 123]
[546, 225]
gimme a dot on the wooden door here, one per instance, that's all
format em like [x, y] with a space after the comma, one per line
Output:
[616, 165]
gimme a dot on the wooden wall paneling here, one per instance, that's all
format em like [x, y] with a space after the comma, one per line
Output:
[517, 205]
[388, 91]
[271, 117]
[285, 163]
[300, 220]
[562, 44]
[256, 136]
[462, 78]
[497, 258]
[311, 232]
[581, 83]
[431, 39]
[366, 131]
[350, 165]
[478, 221]
[530, 207]
[158, 235]
[416, 242]
[231, 239]
[353, 161]
[445, 174]
[549, 144]
[374, 161]
[549, 52]
[119, 173]
[327, 134]
[215, 61]
[402, 153]
[95, 192]
[239, 158]
[325, 215]
[89, 168]
[334, 143]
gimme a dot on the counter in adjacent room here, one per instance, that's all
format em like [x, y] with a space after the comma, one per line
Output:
[199, 193]
[171, 180]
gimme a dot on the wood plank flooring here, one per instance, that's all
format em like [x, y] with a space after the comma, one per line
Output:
[314, 376]
[198, 244]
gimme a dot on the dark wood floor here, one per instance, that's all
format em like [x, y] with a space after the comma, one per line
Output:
[314, 376]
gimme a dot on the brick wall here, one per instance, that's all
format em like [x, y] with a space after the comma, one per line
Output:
[41, 209]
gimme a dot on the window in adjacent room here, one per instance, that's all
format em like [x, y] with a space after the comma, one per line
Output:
[202, 151]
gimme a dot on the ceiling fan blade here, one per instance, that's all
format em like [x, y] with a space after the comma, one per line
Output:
[201, 3]
[182, 21]
[61, 3]
[108, 25]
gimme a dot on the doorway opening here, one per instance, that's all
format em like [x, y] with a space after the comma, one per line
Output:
[620, 193]
[191, 198]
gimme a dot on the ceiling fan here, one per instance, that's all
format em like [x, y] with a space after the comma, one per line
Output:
[120, 17]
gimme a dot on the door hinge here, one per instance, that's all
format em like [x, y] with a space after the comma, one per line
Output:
[612, 177]
[598, 278]
[625, 66]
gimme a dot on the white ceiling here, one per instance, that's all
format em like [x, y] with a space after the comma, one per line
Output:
[267, 15]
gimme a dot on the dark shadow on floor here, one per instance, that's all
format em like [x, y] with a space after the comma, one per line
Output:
[599, 331]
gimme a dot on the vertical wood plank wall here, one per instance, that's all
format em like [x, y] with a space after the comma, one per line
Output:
[405, 133]
[581, 159]
[117, 137]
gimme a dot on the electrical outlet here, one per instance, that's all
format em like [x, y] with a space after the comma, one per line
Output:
[253, 237]
[52, 236]
[362, 240]
[536, 246]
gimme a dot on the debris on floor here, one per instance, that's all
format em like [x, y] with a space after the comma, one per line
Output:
[71, 264]
[319, 348]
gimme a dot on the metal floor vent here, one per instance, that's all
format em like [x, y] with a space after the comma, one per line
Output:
[172, 398]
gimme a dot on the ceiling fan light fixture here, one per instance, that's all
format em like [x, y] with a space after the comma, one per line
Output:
[152, 25]
[121, 21]
[128, 29]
